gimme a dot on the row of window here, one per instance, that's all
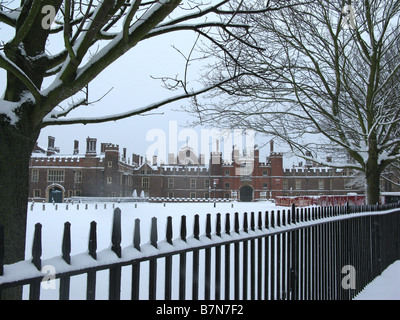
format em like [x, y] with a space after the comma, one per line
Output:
[193, 183]
[194, 195]
[37, 193]
[249, 171]
[56, 175]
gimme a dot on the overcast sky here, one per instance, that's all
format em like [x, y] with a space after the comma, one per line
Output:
[130, 79]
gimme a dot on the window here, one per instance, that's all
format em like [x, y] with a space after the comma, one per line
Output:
[227, 185]
[36, 193]
[170, 194]
[298, 184]
[206, 195]
[109, 164]
[265, 186]
[54, 175]
[145, 183]
[109, 180]
[192, 195]
[321, 185]
[192, 183]
[207, 183]
[78, 176]
[142, 171]
[285, 184]
[77, 193]
[170, 183]
[35, 175]
[227, 172]
[227, 196]
[265, 173]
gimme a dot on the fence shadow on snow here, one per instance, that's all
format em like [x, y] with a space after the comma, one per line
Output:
[318, 253]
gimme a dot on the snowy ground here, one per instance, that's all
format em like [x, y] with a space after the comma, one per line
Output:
[52, 221]
[385, 287]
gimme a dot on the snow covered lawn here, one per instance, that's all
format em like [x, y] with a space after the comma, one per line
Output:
[384, 287]
[53, 220]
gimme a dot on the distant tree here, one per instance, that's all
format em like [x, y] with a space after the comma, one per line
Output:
[320, 76]
[43, 89]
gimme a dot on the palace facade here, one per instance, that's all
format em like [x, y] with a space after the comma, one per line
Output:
[108, 172]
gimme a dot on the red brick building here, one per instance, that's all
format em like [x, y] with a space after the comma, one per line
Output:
[110, 173]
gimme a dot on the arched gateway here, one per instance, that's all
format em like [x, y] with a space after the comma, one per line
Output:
[55, 193]
[246, 193]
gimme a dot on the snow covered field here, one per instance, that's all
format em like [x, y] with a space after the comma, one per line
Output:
[386, 286]
[52, 221]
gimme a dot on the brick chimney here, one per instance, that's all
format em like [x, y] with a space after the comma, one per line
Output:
[51, 149]
[76, 147]
[124, 155]
[91, 146]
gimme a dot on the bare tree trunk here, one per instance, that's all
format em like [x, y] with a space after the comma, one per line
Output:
[372, 178]
[16, 150]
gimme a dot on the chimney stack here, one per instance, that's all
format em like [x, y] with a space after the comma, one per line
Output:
[124, 154]
[51, 149]
[272, 146]
[76, 147]
[91, 146]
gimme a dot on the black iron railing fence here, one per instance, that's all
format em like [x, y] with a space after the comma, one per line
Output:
[314, 253]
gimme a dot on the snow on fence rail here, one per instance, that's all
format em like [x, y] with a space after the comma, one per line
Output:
[284, 254]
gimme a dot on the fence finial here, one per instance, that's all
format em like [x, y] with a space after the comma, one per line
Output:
[245, 223]
[208, 226]
[153, 232]
[237, 222]
[169, 230]
[218, 225]
[260, 220]
[37, 247]
[136, 235]
[66, 244]
[196, 228]
[116, 233]
[183, 228]
[93, 240]
[227, 224]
